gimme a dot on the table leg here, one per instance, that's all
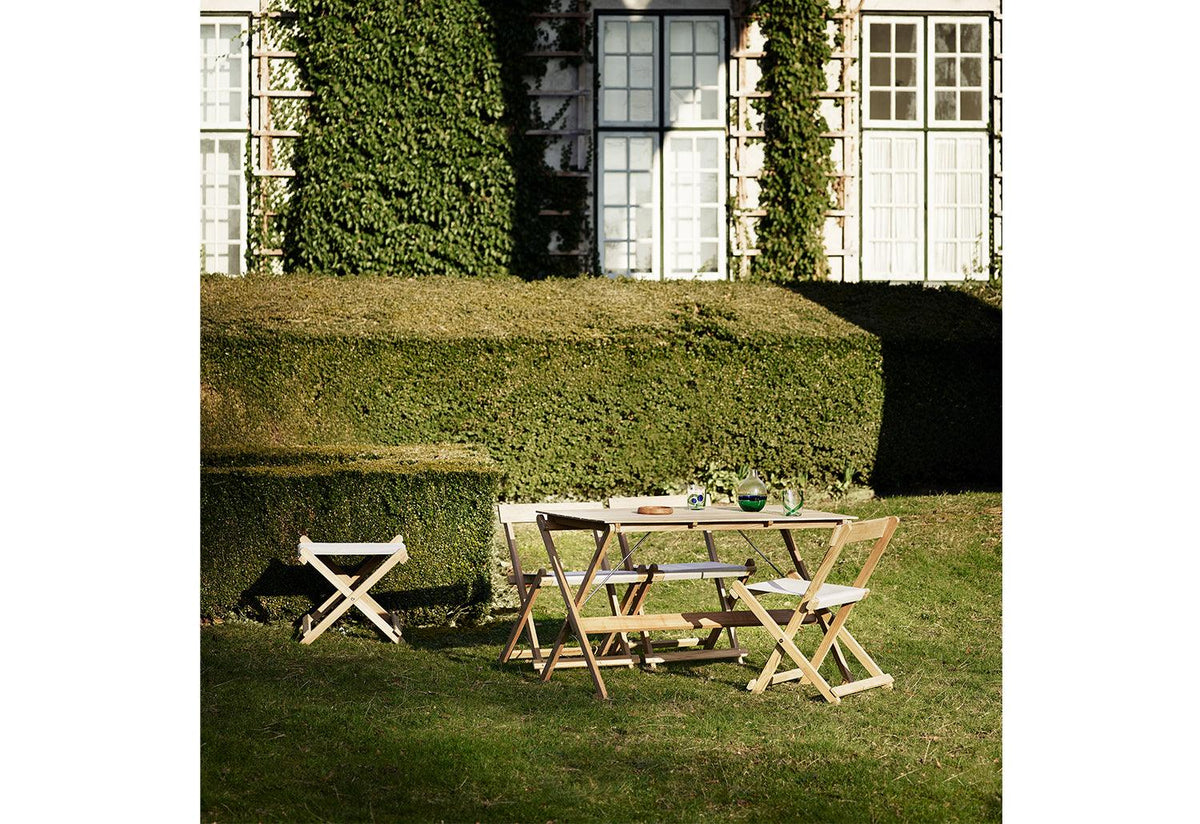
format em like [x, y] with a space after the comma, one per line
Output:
[790, 542]
[572, 603]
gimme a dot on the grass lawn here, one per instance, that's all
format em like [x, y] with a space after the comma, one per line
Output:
[355, 729]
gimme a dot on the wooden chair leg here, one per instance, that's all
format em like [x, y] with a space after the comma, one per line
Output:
[523, 618]
[784, 640]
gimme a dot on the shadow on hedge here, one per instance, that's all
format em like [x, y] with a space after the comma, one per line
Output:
[941, 352]
[289, 581]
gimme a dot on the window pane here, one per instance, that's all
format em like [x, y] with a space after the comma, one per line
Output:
[708, 104]
[681, 37]
[708, 188]
[906, 105]
[881, 106]
[614, 72]
[614, 37]
[641, 37]
[708, 222]
[641, 72]
[641, 105]
[614, 257]
[944, 107]
[881, 38]
[906, 38]
[972, 105]
[643, 222]
[881, 71]
[972, 37]
[708, 152]
[644, 258]
[614, 189]
[706, 70]
[706, 38]
[614, 105]
[906, 71]
[943, 71]
[681, 72]
[641, 153]
[944, 37]
[970, 67]
[614, 222]
[614, 153]
[640, 188]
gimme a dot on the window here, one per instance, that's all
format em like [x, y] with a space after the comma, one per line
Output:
[661, 186]
[926, 148]
[224, 126]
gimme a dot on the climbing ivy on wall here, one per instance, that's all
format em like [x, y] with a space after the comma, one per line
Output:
[414, 158]
[404, 166]
[797, 163]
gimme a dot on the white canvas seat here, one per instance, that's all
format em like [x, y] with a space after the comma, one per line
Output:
[829, 595]
[828, 606]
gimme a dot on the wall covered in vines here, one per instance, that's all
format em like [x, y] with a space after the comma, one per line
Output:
[415, 157]
[795, 184]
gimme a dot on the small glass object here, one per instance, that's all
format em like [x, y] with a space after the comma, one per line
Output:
[793, 499]
[752, 493]
[695, 497]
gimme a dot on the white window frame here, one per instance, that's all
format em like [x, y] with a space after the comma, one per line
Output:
[980, 246]
[656, 86]
[921, 272]
[985, 59]
[655, 202]
[669, 204]
[921, 68]
[661, 129]
[721, 119]
[243, 23]
[232, 130]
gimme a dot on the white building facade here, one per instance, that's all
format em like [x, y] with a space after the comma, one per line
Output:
[666, 125]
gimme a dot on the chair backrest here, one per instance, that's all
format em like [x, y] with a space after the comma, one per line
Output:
[511, 514]
[879, 530]
[647, 500]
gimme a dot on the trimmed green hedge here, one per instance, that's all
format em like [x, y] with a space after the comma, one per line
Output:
[596, 387]
[404, 164]
[255, 504]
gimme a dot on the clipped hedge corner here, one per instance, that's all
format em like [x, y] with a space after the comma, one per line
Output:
[254, 505]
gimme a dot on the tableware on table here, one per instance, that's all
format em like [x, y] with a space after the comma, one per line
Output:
[695, 497]
[793, 500]
[752, 493]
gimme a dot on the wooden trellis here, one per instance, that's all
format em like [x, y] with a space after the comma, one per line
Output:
[263, 120]
[572, 124]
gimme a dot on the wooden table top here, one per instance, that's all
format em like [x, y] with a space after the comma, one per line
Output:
[707, 518]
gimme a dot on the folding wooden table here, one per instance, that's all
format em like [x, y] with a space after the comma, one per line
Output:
[609, 523]
[350, 586]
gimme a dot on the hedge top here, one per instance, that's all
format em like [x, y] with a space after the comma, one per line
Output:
[405, 459]
[500, 308]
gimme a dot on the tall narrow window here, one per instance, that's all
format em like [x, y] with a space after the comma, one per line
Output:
[662, 169]
[224, 125]
[926, 149]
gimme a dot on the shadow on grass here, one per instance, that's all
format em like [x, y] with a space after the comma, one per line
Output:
[941, 353]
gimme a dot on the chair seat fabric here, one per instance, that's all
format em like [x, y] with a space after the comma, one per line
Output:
[666, 572]
[829, 595]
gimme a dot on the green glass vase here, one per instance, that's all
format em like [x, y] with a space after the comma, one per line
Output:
[752, 493]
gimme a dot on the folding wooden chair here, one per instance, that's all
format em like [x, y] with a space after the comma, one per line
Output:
[827, 605]
[350, 586]
[529, 586]
[712, 569]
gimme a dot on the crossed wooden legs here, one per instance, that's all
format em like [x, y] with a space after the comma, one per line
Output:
[350, 591]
